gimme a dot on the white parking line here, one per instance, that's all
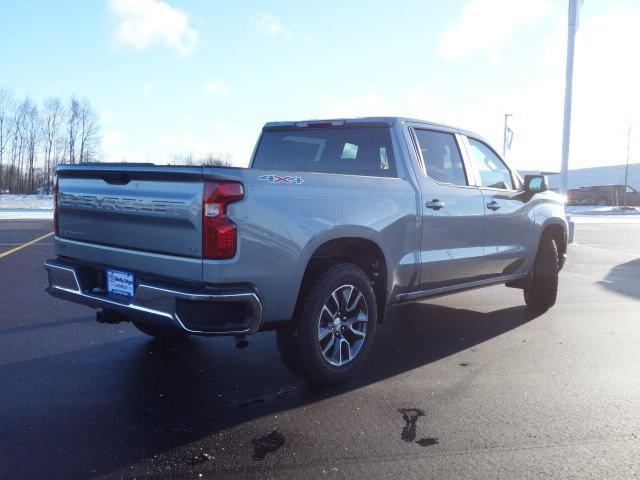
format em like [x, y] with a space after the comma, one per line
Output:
[605, 250]
[588, 277]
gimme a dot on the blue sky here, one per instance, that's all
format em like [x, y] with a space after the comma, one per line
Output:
[176, 77]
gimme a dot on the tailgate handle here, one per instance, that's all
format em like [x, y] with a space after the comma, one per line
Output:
[116, 178]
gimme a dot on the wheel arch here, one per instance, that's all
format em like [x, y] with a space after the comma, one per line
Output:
[360, 246]
[558, 230]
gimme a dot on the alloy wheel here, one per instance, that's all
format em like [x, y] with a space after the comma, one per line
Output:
[342, 325]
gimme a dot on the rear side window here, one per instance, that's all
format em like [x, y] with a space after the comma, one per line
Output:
[348, 151]
[493, 172]
[441, 157]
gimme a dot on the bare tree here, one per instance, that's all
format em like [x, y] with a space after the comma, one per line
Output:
[52, 118]
[209, 160]
[6, 105]
[32, 131]
[72, 128]
[34, 139]
[216, 160]
[88, 130]
[18, 144]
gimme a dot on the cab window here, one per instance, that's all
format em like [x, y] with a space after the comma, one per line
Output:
[442, 159]
[492, 170]
[343, 150]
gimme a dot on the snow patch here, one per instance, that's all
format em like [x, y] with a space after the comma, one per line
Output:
[26, 207]
[28, 202]
[595, 210]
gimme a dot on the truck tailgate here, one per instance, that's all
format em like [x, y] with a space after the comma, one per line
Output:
[151, 209]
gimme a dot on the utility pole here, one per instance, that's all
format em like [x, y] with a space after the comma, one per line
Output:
[626, 169]
[505, 134]
[566, 130]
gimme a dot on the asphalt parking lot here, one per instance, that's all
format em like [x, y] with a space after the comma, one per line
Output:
[466, 386]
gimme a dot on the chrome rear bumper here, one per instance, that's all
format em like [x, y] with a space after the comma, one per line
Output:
[153, 303]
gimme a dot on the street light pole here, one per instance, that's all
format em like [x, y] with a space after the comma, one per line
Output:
[504, 135]
[626, 169]
[566, 130]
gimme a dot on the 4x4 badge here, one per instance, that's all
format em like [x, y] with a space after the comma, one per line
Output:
[284, 179]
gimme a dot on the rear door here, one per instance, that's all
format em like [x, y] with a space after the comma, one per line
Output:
[152, 209]
[452, 212]
[508, 232]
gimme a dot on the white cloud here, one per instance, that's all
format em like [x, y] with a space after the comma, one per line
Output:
[415, 103]
[368, 104]
[222, 140]
[107, 115]
[143, 23]
[216, 87]
[111, 138]
[484, 25]
[606, 98]
[117, 148]
[148, 89]
[269, 25]
[606, 94]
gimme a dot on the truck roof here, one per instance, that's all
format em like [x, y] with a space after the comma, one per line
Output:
[364, 121]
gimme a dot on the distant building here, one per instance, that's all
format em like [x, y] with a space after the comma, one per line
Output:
[585, 177]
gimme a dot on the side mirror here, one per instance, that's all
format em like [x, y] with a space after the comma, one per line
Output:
[535, 183]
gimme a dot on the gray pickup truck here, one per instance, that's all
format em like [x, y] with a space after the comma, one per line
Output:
[333, 223]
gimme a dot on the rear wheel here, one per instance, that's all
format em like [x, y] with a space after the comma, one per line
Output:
[161, 332]
[331, 336]
[541, 294]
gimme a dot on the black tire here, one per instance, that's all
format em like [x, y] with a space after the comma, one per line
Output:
[160, 332]
[603, 202]
[298, 343]
[543, 290]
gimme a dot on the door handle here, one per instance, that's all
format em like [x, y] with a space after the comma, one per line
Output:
[493, 205]
[435, 204]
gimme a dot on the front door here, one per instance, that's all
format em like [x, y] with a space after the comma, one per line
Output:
[452, 213]
[508, 232]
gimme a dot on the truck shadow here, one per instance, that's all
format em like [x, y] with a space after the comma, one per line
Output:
[624, 278]
[107, 407]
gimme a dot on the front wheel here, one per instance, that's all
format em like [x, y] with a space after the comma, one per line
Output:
[541, 294]
[331, 336]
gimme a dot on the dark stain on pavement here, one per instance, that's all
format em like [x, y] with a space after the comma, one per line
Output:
[410, 417]
[427, 442]
[267, 444]
[464, 364]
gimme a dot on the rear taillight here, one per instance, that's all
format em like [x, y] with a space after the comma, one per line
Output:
[219, 233]
[56, 228]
